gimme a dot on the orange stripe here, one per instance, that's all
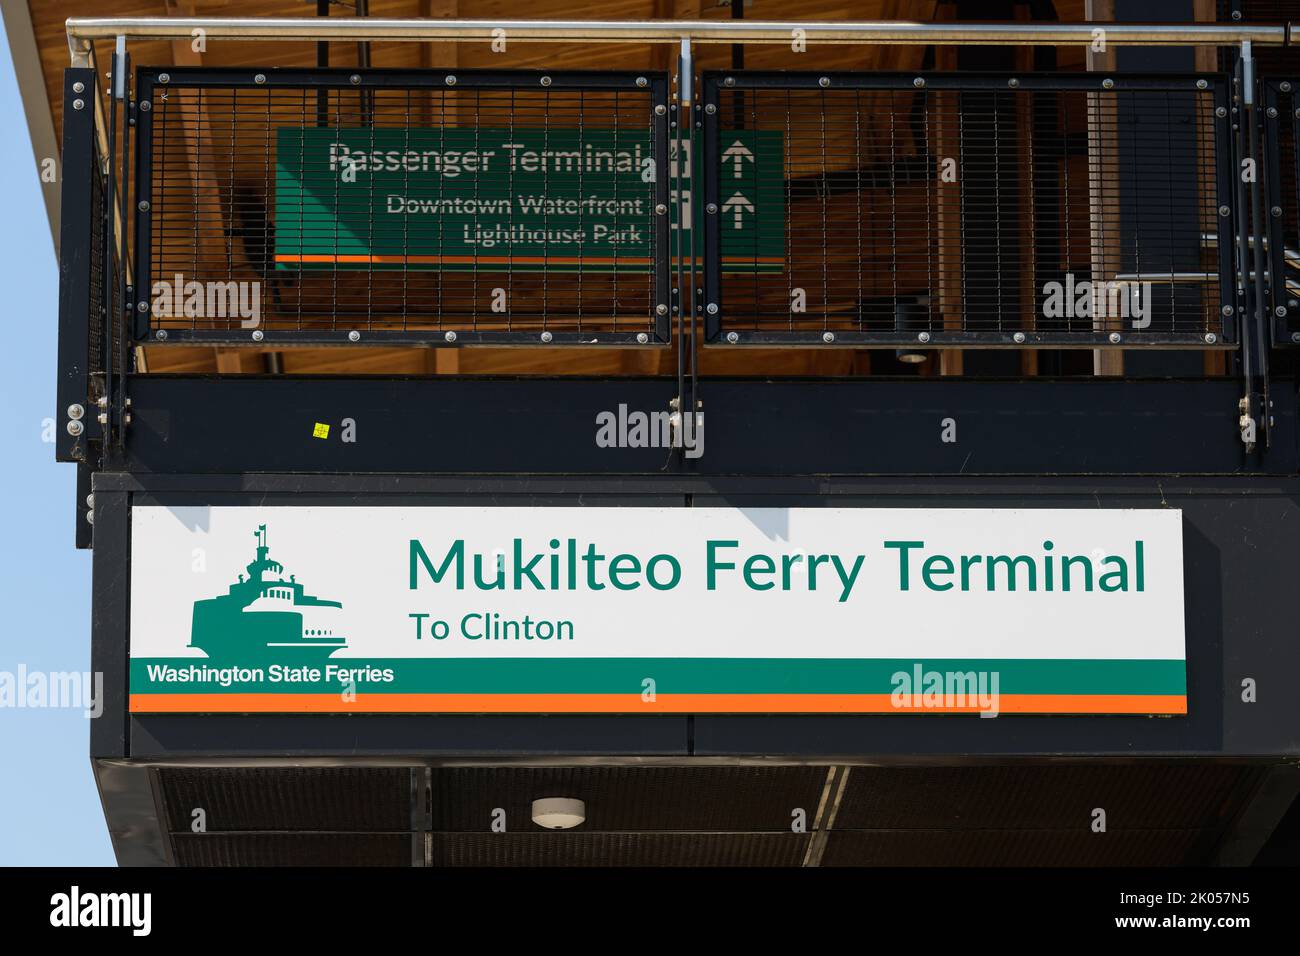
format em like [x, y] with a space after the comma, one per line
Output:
[557, 260]
[493, 260]
[632, 703]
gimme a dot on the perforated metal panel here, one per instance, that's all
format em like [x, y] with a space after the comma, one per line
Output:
[631, 798]
[618, 849]
[309, 798]
[1157, 813]
[1012, 848]
[1032, 797]
[292, 849]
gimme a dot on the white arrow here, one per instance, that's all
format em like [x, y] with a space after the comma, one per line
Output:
[737, 154]
[741, 205]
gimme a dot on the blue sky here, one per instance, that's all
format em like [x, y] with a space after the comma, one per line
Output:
[49, 810]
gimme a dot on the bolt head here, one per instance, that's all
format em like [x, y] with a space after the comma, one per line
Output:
[259, 79]
[712, 308]
[1224, 211]
[711, 109]
[90, 500]
[78, 104]
[1210, 338]
[1018, 338]
[258, 335]
[1013, 83]
[90, 517]
[450, 80]
[923, 337]
[145, 106]
[642, 338]
[354, 79]
[1202, 84]
[143, 205]
[733, 337]
[76, 411]
[354, 336]
[1295, 337]
[661, 309]
[1227, 310]
[1271, 112]
[660, 109]
[1107, 84]
[164, 77]
[828, 337]
[1221, 112]
[1276, 211]
[1285, 86]
[1280, 311]
[161, 335]
[546, 336]
[449, 336]
[729, 81]
[142, 306]
[546, 81]
[642, 81]
[661, 209]
[824, 81]
[75, 428]
[711, 208]
[1115, 338]
[78, 87]
[919, 82]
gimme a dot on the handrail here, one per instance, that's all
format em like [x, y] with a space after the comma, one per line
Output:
[82, 30]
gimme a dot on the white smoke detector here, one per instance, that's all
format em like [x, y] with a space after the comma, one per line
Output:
[559, 813]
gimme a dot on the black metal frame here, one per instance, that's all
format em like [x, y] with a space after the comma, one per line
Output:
[1228, 634]
[715, 319]
[1281, 123]
[80, 218]
[430, 430]
[653, 84]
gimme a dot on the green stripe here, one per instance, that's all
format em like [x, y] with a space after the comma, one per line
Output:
[699, 676]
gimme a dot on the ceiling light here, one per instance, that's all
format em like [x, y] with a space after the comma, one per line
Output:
[559, 813]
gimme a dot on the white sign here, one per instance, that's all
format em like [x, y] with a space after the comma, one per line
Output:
[630, 609]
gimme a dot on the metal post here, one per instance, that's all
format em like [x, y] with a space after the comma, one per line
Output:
[1259, 231]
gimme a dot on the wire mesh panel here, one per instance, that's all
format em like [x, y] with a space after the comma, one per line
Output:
[1282, 177]
[382, 206]
[968, 209]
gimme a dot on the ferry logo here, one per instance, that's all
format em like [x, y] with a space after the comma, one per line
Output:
[265, 617]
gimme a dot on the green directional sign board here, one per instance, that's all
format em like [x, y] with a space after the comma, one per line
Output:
[465, 198]
[751, 201]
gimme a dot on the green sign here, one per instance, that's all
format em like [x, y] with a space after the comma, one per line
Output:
[464, 198]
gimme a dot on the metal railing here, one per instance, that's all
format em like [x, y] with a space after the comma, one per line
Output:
[82, 31]
[252, 176]
[968, 209]
[383, 207]
[1114, 180]
[1282, 174]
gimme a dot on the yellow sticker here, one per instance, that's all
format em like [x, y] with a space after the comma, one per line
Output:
[321, 430]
